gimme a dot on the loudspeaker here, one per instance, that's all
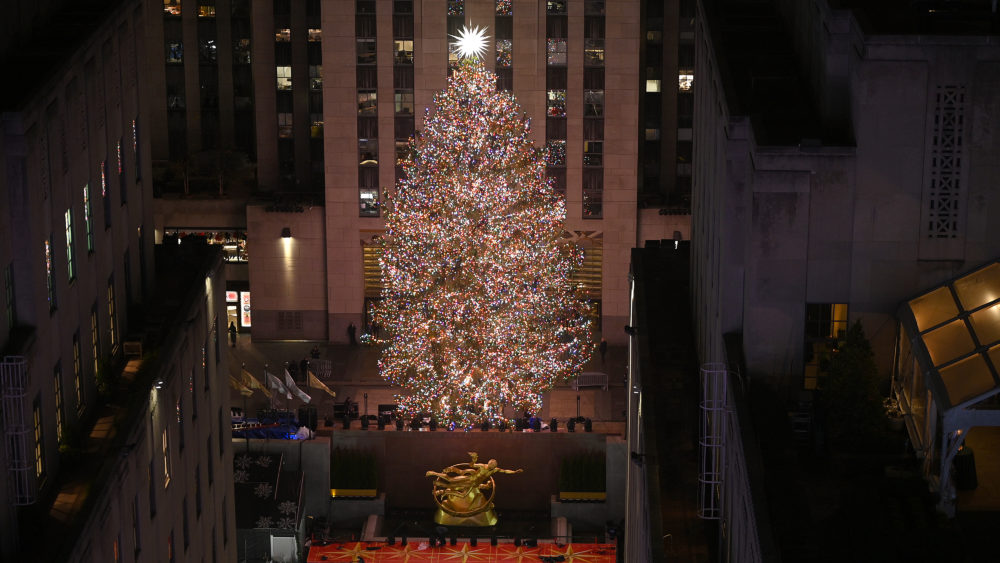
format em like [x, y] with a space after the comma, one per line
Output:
[588, 426]
[493, 541]
[433, 424]
[517, 541]
[531, 542]
[571, 425]
[402, 541]
[454, 540]
[364, 423]
[473, 541]
[381, 423]
[554, 425]
[391, 540]
[485, 426]
[399, 424]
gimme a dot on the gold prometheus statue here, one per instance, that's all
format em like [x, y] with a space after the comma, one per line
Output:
[464, 493]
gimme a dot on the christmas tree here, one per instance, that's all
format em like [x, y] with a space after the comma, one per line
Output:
[477, 311]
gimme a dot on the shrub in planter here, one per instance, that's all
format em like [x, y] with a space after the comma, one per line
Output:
[582, 477]
[353, 473]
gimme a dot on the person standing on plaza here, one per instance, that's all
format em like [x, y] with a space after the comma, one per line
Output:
[351, 333]
[232, 333]
[603, 347]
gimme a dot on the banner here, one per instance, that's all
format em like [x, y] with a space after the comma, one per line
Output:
[235, 384]
[295, 388]
[315, 382]
[248, 380]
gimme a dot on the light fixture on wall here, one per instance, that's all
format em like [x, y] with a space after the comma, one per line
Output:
[286, 233]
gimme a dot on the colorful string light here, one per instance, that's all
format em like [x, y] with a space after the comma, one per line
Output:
[477, 311]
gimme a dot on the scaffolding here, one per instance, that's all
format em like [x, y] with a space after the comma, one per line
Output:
[13, 381]
[712, 439]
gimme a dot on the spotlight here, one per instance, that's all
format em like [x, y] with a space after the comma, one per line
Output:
[286, 233]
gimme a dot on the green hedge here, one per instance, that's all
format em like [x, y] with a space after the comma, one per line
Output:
[583, 473]
[352, 469]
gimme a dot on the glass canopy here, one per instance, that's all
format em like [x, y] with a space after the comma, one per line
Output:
[958, 326]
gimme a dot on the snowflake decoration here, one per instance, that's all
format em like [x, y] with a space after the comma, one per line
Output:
[241, 476]
[287, 507]
[264, 522]
[263, 490]
[244, 461]
[287, 523]
[470, 43]
[264, 461]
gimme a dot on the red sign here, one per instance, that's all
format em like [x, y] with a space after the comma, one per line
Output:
[245, 308]
[232, 296]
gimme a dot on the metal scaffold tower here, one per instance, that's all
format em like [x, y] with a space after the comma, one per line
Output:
[712, 439]
[13, 383]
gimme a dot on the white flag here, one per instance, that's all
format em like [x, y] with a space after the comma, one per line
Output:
[295, 388]
[277, 385]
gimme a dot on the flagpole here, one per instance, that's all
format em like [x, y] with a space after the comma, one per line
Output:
[244, 367]
[270, 396]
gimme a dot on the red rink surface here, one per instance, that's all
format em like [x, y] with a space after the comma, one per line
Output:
[377, 552]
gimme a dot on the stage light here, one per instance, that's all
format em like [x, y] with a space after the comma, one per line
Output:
[286, 233]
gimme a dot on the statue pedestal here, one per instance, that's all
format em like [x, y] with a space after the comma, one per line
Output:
[482, 519]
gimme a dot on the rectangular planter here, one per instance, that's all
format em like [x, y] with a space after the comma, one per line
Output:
[583, 496]
[352, 493]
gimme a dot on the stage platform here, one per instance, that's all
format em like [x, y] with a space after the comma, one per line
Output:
[421, 552]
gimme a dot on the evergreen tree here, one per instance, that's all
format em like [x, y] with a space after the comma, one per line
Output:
[477, 311]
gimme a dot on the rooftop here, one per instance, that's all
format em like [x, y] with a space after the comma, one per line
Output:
[760, 72]
[46, 47]
[924, 17]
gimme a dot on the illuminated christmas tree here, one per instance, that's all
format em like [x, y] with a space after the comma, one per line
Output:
[478, 311]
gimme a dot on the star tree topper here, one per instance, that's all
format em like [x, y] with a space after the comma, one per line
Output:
[470, 43]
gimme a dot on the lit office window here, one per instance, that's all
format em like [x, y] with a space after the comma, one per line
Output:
[685, 81]
[555, 103]
[593, 103]
[171, 7]
[403, 52]
[284, 77]
[404, 102]
[70, 259]
[39, 440]
[555, 51]
[367, 102]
